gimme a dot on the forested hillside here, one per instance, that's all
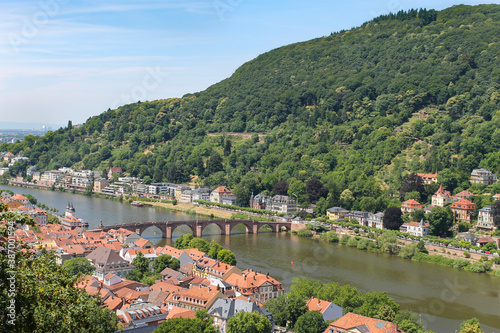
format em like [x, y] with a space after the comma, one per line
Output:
[415, 91]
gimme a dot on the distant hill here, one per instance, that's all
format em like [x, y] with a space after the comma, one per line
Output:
[410, 91]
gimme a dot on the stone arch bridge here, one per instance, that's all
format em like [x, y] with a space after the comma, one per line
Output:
[197, 226]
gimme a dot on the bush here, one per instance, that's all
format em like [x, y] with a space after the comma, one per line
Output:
[353, 242]
[484, 257]
[304, 232]
[408, 251]
[433, 259]
[332, 237]
[466, 254]
[363, 244]
[479, 267]
[345, 238]
[461, 263]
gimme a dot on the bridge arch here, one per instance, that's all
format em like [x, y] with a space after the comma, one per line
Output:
[266, 226]
[248, 226]
[156, 230]
[221, 224]
[171, 229]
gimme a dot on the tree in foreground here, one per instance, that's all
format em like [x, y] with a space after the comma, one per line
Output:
[77, 267]
[392, 218]
[248, 322]
[310, 322]
[200, 324]
[470, 326]
[46, 299]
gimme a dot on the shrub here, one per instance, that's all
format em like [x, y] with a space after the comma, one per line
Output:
[484, 257]
[353, 242]
[304, 232]
[461, 263]
[466, 254]
[345, 238]
[332, 237]
[408, 251]
[478, 267]
[363, 244]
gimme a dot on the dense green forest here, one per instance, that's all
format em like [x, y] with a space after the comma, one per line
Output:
[415, 91]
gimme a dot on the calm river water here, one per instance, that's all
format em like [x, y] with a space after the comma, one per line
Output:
[442, 296]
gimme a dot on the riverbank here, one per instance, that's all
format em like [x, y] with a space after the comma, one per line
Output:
[455, 258]
[211, 212]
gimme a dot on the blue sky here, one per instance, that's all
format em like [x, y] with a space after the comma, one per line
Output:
[66, 60]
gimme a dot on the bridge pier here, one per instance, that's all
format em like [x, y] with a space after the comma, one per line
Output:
[168, 233]
[199, 230]
[227, 229]
[254, 230]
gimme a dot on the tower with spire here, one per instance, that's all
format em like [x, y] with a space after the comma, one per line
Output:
[70, 210]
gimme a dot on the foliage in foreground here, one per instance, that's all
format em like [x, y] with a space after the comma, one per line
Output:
[201, 324]
[290, 307]
[46, 299]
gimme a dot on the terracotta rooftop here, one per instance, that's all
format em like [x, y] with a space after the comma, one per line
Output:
[353, 321]
[315, 304]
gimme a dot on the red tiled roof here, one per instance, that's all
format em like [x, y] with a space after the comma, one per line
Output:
[442, 191]
[463, 204]
[464, 194]
[315, 304]
[411, 204]
[351, 321]
[178, 312]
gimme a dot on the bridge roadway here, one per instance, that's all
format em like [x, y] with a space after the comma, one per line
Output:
[197, 226]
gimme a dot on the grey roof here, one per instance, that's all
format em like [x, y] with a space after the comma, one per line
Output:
[337, 210]
[105, 258]
[226, 309]
[202, 190]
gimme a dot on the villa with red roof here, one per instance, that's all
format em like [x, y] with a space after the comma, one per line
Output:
[114, 170]
[441, 197]
[410, 206]
[219, 193]
[416, 228]
[428, 178]
[463, 210]
[463, 195]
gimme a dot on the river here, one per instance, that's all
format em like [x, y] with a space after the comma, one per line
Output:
[442, 296]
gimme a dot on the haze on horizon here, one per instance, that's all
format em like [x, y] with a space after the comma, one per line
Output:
[69, 60]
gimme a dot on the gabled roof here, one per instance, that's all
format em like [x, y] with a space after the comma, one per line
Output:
[222, 190]
[442, 192]
[178, 312]
[105, 258]
[315, 304]
[411, 203]
[364, 324]
[18, 197]
[463, 204]
[464, 194]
